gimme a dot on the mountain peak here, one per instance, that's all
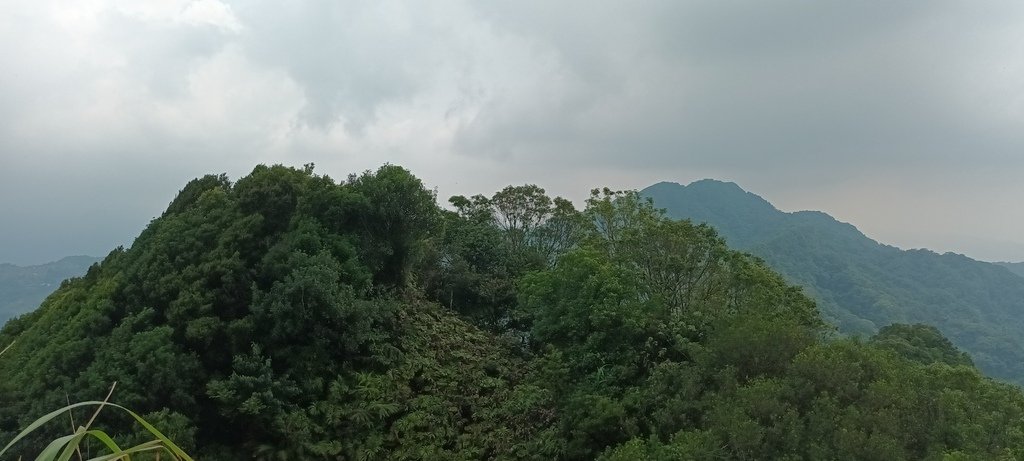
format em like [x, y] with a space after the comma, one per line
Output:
[744, 218]
[860, 284]
[709, 182]
[710, 189]
[712, 201]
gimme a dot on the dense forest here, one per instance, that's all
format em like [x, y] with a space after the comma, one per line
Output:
[1016, 268]
[291, 316]
[861, 285]
[22, 288]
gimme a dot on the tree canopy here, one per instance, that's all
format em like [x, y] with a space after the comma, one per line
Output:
[291, 316]
[862, 286]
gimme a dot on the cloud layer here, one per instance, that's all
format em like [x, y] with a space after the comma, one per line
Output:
[903, 117]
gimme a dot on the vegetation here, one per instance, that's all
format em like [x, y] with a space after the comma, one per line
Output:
[1016, 268]
[66, 447]
[861, 285]
[289, 316]
[22, 289]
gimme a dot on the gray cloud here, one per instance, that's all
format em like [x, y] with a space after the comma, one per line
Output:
[766, 85]
[864, 110]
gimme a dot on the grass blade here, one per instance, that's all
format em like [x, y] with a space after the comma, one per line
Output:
[72, 445]
[50, 452]
[45, 419]
[174, 449]
[107, 441]
[126, 454]
[71, 442]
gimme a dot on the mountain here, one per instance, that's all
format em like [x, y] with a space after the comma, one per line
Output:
[288, 316]
[1016, 268]
[22, 288]
[860, 284]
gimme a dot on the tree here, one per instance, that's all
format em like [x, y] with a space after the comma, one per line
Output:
[397, 213]
[920, 343]
[519, 211]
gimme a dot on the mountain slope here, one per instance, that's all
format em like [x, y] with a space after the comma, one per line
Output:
[22, 288]
[287, 316]
[862, 285]
[242, 322]
[1016, 268]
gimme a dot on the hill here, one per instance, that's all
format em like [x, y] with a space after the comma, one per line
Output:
[1016, 268]
[290, 316]
[862, 285]
[22, 288]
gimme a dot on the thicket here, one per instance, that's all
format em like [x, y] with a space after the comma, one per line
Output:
[862, 286]
[290, 316]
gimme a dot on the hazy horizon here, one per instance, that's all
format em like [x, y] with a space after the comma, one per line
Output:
[578, 199]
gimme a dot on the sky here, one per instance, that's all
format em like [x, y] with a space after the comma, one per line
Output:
[905, 118]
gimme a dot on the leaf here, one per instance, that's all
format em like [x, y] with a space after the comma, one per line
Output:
[6, 348]
[159, 435]
[125, 454]
[45, 419]
[72, 446]
[51, 450]
[50, 453]
[106, 440]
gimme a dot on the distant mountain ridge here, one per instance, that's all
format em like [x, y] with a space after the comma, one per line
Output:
[862, 285]
[1016, 268]
[23, 288]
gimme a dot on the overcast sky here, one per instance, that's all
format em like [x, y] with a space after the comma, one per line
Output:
[905, 118]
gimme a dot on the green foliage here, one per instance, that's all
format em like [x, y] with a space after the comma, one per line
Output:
[67, 446]
[273, 304]
[488, 244]
[861, 285]
[361, 321]
[22, 289]
[395, 213]
[920, 343]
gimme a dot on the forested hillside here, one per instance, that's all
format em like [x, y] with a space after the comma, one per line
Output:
[22, 288]
[1016, 268]
[862, 285]
[291, 316]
